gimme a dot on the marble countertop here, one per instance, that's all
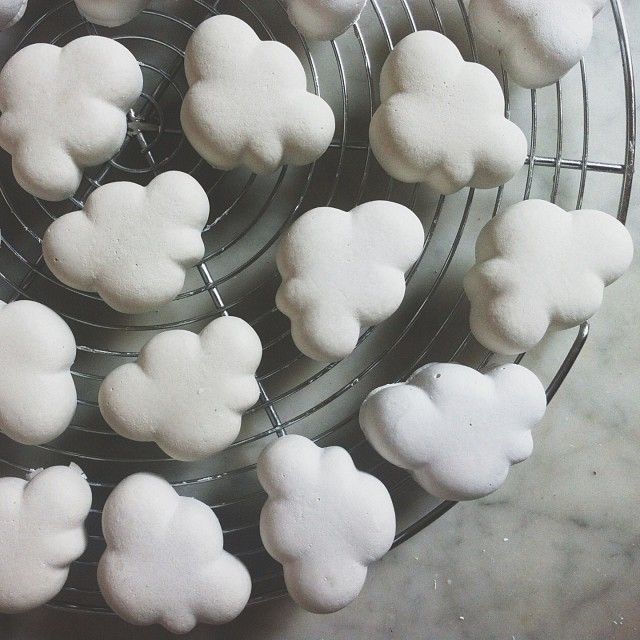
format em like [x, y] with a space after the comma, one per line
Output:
[555, 554]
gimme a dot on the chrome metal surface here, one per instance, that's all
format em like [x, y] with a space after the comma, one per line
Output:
[238, 274]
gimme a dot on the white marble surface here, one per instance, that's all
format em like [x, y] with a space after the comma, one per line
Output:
[554, 555]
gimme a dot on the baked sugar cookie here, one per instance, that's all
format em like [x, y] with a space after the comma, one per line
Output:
[111, 13]
[263, 121]
[324, 521]
[539, 267]
[164, 562]
[11, 12]
[131, 244]
[457, 430]
[441, 119]
[186, 392]
[37, 392]
[60, 115]
[539, 40]
[343, 271]
[324, 19]
[41, 534]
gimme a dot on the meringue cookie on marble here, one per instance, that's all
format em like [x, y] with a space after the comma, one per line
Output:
[11, 12]
[324, 19]
[164, 562]
[186, 392]
[111, 13]
[324, 521]
[248, 102]
[64, 110]
[343, 271]
[456, 430]
[37, 392]
[539, 40]
[539, 267]
[441, 119]
[131, 244]
[41, 534]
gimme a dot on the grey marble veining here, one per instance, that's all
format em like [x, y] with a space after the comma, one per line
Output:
[554, 555]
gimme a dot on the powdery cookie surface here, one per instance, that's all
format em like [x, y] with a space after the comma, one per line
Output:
[248, 102]
[540, 267]
[111, 13]
[64, 110]
[186, 392]
[458, 431]
[324, 19]
[164, 562]
[131, 244]
[324, 521]
[343, 271]
[441, 119]
[41, 534]
[11, 12]
[539, 40]
[37, 392]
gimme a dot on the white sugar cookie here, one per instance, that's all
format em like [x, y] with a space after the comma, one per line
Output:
[186, 392]
[539, 40]
[343, 271]
[111, 13]
[11, 12]
[540, 267]
[263, 121]
[324, 19]
[441, 119]
[324, 521]
[131, 244]
[64, 110]
[37, 392]
[41, 534]
[164, 562]
[457, 430]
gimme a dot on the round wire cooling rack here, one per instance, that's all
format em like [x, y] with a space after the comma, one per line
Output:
[238, 274]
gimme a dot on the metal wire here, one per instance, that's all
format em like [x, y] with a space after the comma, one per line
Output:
[238, 275]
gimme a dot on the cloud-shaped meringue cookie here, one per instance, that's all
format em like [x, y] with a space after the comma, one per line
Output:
[111, 13]
[540, 267]
[324, 521]
[37, 392]
[64, 110]
[131, 244]
[186, 392]
[41, 534]
[11, 12]
[539, 40]
[441, 119]
[248, 102]
[343, 271]
[457, 430]
[324, 19]
[164, 562]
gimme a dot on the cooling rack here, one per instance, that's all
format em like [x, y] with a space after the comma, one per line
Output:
[238, 275]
